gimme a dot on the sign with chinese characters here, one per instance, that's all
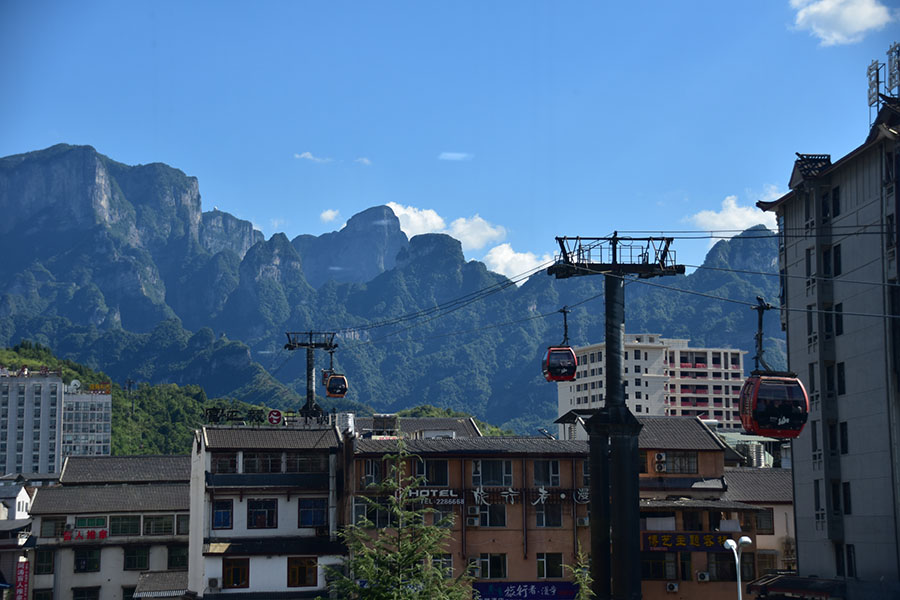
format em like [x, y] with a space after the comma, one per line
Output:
[486, 496]
[81, 535]
[526, 590]
[255, 416]
[22, 574]
[100, 388]
[685, 541]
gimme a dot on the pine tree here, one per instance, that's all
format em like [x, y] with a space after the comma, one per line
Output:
[397, 562]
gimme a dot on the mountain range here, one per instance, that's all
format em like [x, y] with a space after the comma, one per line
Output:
[118, 267]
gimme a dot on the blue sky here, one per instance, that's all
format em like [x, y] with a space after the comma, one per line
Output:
[502, 123]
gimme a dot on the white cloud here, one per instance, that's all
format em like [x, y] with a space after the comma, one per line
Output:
[455, 156]
[277, 223]
[506, 261]
[733, 219]
[414, 221]
[841, 21]
[475, 233]
[329, 215]
[363, 161]
[310, 157]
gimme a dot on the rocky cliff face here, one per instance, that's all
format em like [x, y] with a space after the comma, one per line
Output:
[367, 246]
[221, 231]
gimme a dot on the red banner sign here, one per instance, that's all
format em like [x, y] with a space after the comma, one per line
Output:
[22, 574]
[80, 535]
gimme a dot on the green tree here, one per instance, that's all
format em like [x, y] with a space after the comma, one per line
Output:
[581, 573]
[398, 562]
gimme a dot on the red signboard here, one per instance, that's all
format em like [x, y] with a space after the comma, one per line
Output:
[80, 535]
[22, 580]
[274, 417]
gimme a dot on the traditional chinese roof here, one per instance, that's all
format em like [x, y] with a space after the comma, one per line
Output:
[93, 470]
[161, 584]
[270, 438]
[677, 433]
[477, 446]
[698, 504]
[13, 524]
[414, 426]
[84, 499]
[761, 486]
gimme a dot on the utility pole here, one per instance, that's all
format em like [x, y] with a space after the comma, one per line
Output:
[612, 430]
[311, 340]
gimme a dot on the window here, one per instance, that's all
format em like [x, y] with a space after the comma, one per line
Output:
[43, 562]
[767, 562]
[720, 566]
[549, 564]
[687, 573]
[87, 560]
[586, 473]
[765, 522]
[159, 524]
[53, 526]
[492, 472]
[302, 571]
[829, 378]
[493, 515]
[817, 494]
[182, 524]
[832, 439]
[444, 516]
[223, 514]
[659, 565]
[128, 593]
[809, 262]
[90, 522]
[841, 382]
[262, 462]
[224, 462]
[546, 472]
[92, 593]
[836, 258]
[137, 558]
[692, 520]
[839, 559]
[444, 563]
[373, 471]
[301, 463]
[375, 513]
[681, 462]
[492, 566]
[125, 525]
[262, 513]
[42, 595]
[549, 515]
[851, 560]
[637, 355]
[235, 572]
[845, 438]
[848, 506]
[839, 318]
[313, 512]
[642, 461]
[177, 559]
[435, 472]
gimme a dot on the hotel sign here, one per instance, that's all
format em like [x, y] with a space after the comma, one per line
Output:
[684, 541]
[437, 496]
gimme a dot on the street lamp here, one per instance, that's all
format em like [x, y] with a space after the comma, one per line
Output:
[736, 549]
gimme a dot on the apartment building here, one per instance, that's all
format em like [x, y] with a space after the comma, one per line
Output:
[30, 421]
[520, 508]
[265, 506]
[87, 419]
[110, 520]
[662, 377]
[838, 231]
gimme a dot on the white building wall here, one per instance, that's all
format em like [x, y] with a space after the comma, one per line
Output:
[30, 423]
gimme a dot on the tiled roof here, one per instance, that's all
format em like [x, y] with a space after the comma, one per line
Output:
[161, 584]
[699, 504]
[9, 491]
[87, 470]
[810, 165]
[265, 438]
[110, 499]
[477, 446]
[409, 426]
[677, 433]
[759, 485]
[13, 524]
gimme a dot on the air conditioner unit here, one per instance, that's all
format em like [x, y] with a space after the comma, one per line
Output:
[584, 521]
[660, 467]
[213, 583]
[473, 521]
[671, 587]
[703, 576]
[472, 510]
[660, 457]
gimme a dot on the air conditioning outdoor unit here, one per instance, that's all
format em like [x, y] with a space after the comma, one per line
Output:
[660, 457]
[473, 521]
[671, 587]
[584, 521]
[213, 583]
[660, 467]
[703, 576]
[472, 510]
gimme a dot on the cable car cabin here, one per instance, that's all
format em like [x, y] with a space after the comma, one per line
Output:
[560, 364]
[774, 405]
[336, 387]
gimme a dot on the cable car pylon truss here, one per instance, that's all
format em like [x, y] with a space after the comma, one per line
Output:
[642, 256]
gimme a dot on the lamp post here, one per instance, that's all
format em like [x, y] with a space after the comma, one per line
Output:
[736, 549]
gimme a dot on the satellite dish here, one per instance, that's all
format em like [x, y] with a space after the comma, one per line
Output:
[75, 386]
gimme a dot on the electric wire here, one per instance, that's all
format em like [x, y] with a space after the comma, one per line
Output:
[816, 277]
